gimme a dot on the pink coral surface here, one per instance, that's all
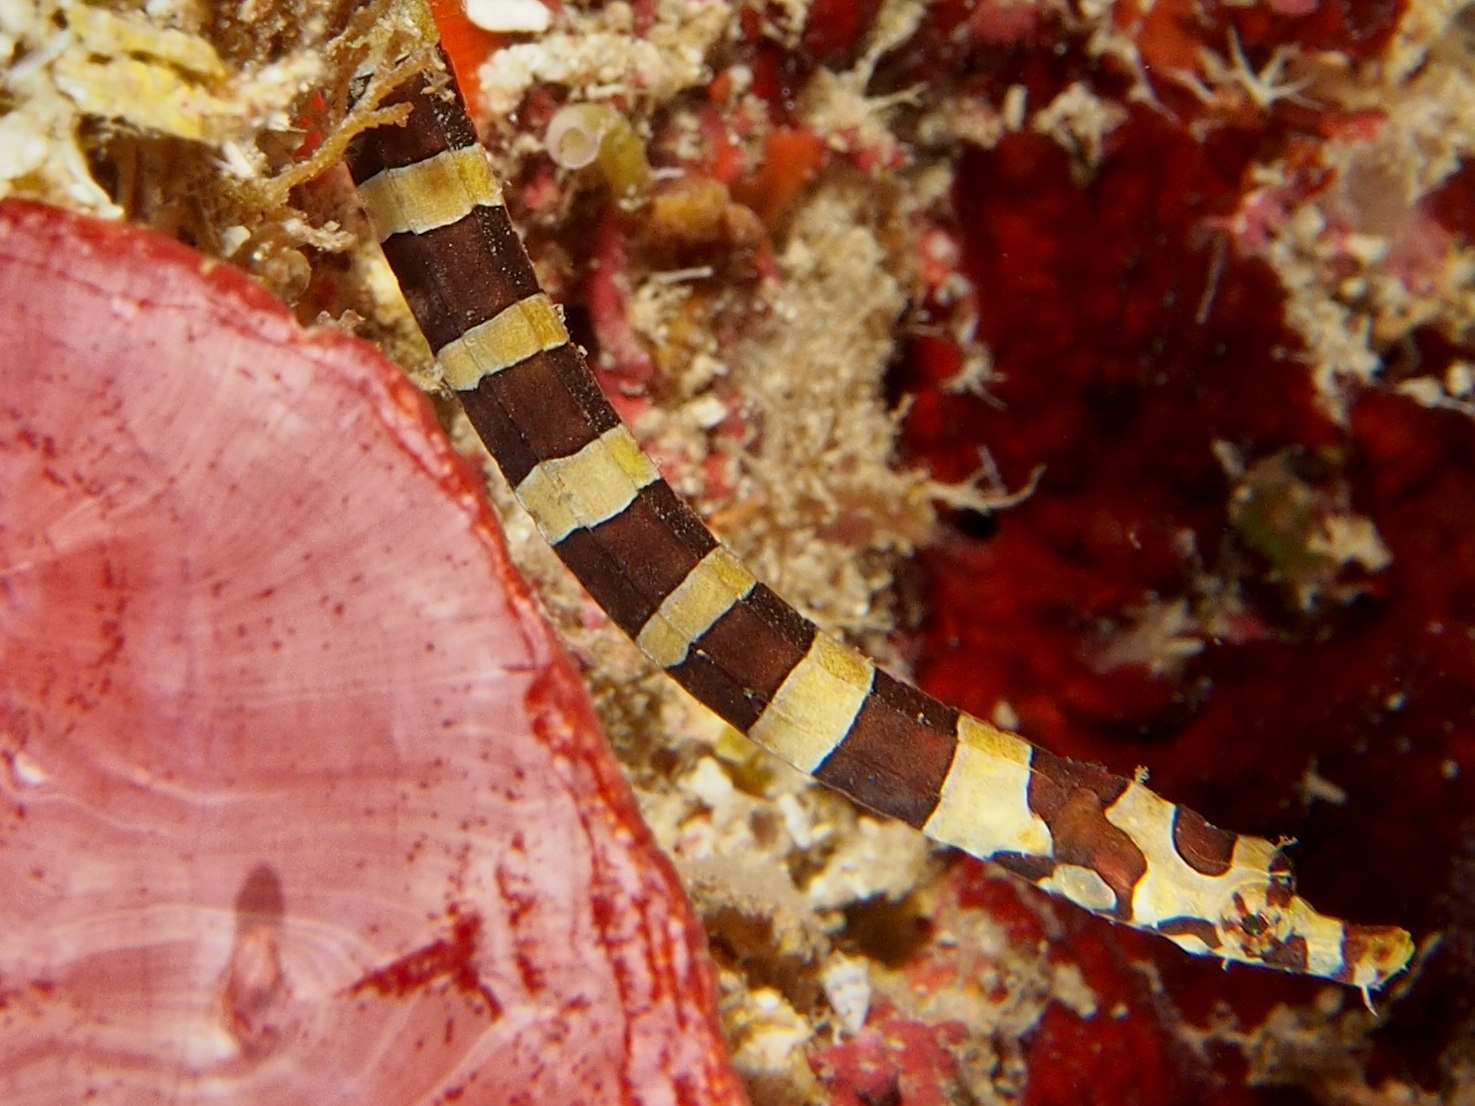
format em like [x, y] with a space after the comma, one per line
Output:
[299, 802]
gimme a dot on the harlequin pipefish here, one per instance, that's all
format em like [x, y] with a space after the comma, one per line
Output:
[1106, 843]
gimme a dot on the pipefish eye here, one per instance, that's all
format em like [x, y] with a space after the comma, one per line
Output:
[1253, 921]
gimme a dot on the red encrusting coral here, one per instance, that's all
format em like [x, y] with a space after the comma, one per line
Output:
[1108, 1037]
[896, 1060]
[1129, 1047]
[1136, 338]
[623, 366]
[1122, 613]
[299, 801]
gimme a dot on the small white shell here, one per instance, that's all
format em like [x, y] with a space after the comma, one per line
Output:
[576, 131]
[509, 16]
[847, 985]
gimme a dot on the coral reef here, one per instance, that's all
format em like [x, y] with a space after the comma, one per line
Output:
[1106, 367]
[1178, 318]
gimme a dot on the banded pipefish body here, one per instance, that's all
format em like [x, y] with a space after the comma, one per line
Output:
[1105, 842]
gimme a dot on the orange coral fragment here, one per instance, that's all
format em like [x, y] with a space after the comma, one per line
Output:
[466, 44]
[791, 159]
